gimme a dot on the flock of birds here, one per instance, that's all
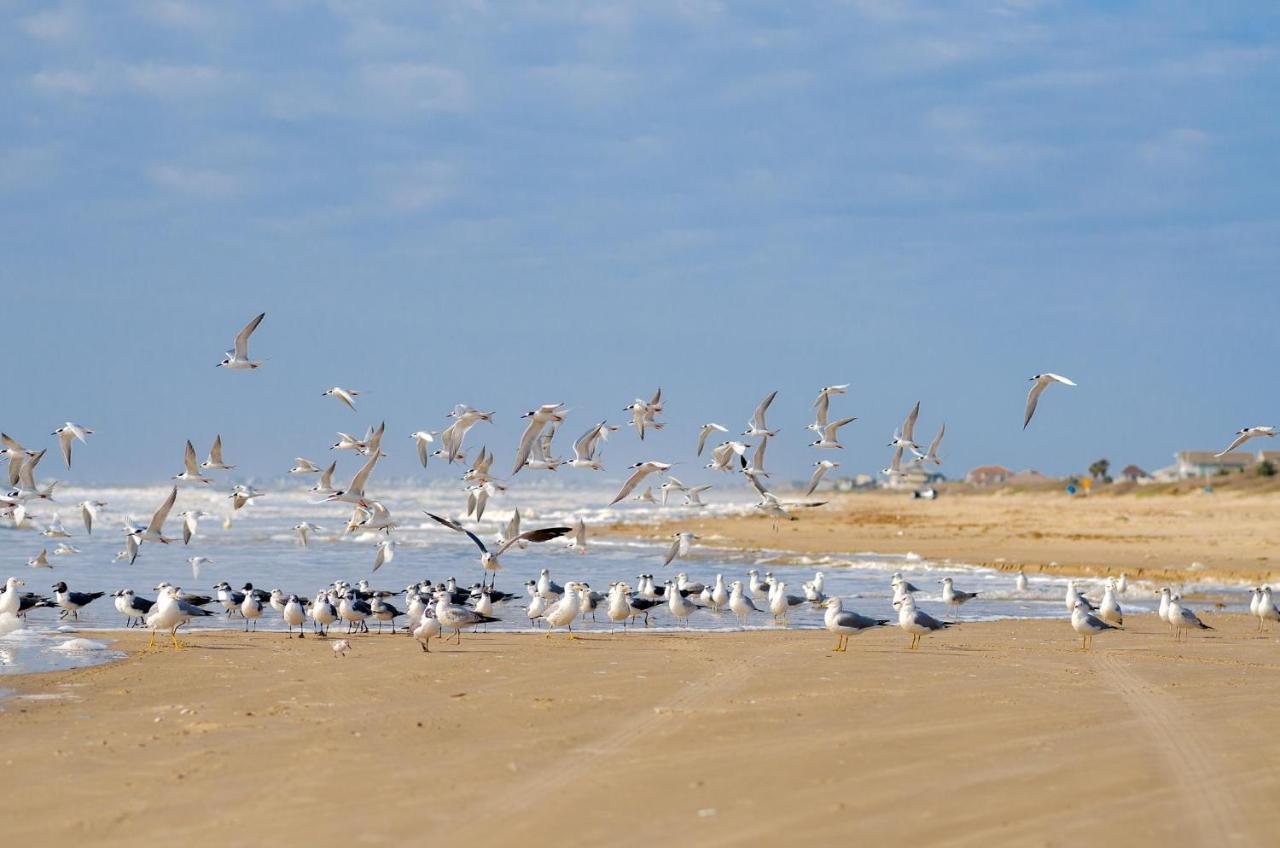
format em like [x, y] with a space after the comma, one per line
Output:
[435, 608]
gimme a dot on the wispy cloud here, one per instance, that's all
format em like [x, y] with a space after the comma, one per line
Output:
[152, 79]
[206, 183]
[415, 87]
[178, 14]
[1179, 148]
[55, 26]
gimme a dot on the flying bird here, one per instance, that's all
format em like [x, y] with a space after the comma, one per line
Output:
[757, 426]
[192, 469]
[640, 471]
[347, 396]
[707, 430]
[214, 460]
[1242, 436]
[1040, 383]
[238, 358]
[68, 433]
[489, 559]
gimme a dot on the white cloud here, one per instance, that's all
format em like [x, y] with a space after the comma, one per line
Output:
[57, 26]
[155, 80]
[416, 87]
[174, 80]
[64, 82]
[178, 14]
[419, 187]
[1177, 149]
[205, 183]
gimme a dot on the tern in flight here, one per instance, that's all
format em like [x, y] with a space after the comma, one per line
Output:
[1242, 436]
[639, 471]
[1041, 382]
[238, 358]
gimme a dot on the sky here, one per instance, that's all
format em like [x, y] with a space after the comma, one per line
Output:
[508, 204]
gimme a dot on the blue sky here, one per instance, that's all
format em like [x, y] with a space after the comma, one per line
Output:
[514, 203]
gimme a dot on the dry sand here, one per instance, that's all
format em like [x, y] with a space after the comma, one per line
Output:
[1232, 537]
[992, 734]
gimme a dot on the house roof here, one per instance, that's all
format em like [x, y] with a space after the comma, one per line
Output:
[989, 470]
[1133, 471]
[1235, 458]
[1270, 456]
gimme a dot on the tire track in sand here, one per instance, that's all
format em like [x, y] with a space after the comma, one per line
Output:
[572, 765]
[1197, 775]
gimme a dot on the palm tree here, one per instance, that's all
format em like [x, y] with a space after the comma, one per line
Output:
[1098, 470]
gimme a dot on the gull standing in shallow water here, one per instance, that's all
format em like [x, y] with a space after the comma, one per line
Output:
[847, 623]
[953, 597]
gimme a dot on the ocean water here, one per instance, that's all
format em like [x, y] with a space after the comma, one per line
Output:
[257, 545]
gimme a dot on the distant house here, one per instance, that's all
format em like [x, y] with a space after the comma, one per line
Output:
[1191, 464]
[1272, 457]
[1025, 477]
[1134, 474]
[988, 475]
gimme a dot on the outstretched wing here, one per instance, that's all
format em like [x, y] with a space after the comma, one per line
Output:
[453, 525]
[242, 339]
[543, 534]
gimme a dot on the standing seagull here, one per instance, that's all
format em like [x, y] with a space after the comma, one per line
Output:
[68, 433]
[347, 396]
[1041, 382]
[917, 622]
[953, 597]
[1087, 625]
[238, 359]
[71, 602]
[640, 471]
[489, 560]
[1242, 436]
[847, 623]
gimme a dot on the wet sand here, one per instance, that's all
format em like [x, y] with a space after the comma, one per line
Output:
[1232, 537]
[992, 734]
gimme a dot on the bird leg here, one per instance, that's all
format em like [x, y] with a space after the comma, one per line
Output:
[152, 643]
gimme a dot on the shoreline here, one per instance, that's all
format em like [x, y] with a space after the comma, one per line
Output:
[1228, 539]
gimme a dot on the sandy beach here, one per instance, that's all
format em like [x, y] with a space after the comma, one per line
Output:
[992, 734]
[1228, 537]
